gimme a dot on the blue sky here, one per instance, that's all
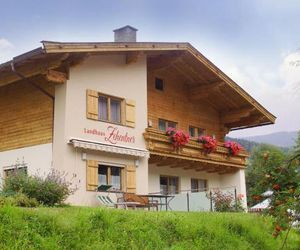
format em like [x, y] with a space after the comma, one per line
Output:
[255, 42]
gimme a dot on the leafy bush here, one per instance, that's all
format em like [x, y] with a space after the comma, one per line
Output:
[49, 190]
[264, 159]
[225, 202]
[19, 199]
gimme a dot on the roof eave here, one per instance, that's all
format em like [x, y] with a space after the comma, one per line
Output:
[252, 126]
[57, 47]
[232, 84]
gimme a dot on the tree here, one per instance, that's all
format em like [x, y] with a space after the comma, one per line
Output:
[284, 180]
[264, 158]
[296, 151]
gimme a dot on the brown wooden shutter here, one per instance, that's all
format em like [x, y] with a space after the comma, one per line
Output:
[130, 179]
[91, 175]
[130, 113]
[92, 104]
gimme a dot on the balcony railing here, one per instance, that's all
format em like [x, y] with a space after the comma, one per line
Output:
[158, 143]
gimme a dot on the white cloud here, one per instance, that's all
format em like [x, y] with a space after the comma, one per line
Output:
[276, 89]
[5, 44]
[290, 73]
[6, 50]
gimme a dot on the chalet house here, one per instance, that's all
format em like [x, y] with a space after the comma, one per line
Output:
[99, 111]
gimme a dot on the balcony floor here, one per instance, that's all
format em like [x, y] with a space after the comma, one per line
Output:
[186, 164]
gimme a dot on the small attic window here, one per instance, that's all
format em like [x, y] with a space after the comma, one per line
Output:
[159, 84]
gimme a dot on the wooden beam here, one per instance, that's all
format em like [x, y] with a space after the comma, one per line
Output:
[254, 119]
[162, 61]
[203, 91]
[165, 163]
[193, 70]
[132, 57]
[180, 165]
[236, 115]
[227, 98]
[190, 166]
[177, 67]
[212, 170]
[32, 68]
[58, 47]
[201, 169]
[227, 171]
[155, 158]
[56, 76]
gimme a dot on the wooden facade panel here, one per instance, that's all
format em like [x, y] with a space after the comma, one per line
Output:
[26, 115]
[173, 104]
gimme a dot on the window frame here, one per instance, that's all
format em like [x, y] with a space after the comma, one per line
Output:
[12, 169]
[108, 177]
[196, 131]
[166, 124]
[168, 183]
[198, 186]
[122, 109]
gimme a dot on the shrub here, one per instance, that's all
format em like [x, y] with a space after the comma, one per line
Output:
[49, 190]
[225, 202]
[22, 200]
[19, 199]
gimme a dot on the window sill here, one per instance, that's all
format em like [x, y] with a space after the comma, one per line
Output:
[109, 122]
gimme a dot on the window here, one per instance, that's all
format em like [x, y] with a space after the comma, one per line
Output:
[195, 132]
[102, 107]
[9, 171]
[109, 109]
[159, 84]
[198, 185]
[169, 184]
[109, 175]
[164, 124]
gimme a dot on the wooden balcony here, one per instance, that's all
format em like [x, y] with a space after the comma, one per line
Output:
[192, 155]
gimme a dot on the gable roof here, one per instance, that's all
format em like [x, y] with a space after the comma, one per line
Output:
[53, 54]
[126, 26]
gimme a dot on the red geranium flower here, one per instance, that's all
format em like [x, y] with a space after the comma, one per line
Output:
[233, 147]
[178, 137]
[209, 143]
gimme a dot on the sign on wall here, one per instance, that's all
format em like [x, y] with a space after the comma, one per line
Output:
[111, 135]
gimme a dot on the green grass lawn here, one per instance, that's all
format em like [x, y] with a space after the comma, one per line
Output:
[96, 228]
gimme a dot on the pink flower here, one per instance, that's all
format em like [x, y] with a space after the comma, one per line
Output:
[178, 138]
[209, 143]
[233, 147]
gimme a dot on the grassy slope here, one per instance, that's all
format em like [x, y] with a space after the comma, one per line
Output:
[96, 228]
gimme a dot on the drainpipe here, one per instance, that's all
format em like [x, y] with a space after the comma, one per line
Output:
[29, 81]
[39, 88]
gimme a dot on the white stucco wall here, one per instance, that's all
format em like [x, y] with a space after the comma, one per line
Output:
[108, 74]
[237, 180]
[38, 159]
